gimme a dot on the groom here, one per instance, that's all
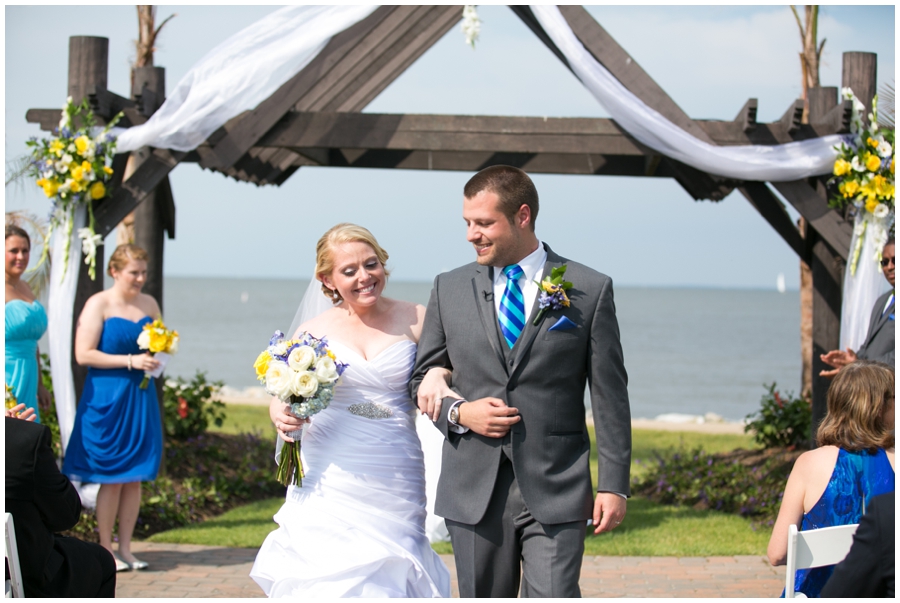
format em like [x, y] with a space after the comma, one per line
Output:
[515, 486]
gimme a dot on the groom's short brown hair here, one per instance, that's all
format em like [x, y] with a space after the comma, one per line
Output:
[510, 184]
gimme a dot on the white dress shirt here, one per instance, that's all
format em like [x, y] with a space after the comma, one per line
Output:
[533, 267]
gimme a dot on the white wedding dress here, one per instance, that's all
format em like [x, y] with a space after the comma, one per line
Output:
[356, 527]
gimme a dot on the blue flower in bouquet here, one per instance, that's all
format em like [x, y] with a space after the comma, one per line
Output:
[553, 292]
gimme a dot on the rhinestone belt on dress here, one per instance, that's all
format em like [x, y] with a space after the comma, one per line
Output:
[371, 410]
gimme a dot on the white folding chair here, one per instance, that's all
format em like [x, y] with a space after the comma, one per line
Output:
[14, 587]
[815, 548]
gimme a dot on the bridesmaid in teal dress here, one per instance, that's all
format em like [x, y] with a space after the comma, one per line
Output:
[26, 322]
[831, 485]
[117, 438]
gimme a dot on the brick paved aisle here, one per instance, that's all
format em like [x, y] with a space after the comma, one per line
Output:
[184, 570]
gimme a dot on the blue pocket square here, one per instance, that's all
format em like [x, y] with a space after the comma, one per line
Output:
[563, 324]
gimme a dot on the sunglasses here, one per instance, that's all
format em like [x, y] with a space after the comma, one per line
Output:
[887, 261]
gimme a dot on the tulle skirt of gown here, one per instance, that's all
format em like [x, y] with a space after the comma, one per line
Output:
[356, 527]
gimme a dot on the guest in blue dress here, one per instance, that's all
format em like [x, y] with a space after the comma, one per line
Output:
[831, 485]
[117, 437]
[26, 323]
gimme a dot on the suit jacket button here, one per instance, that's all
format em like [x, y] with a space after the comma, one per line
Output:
[512, 362]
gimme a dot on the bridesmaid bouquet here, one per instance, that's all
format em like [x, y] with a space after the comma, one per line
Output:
[11, 401]
[301, 372]
[159, 341]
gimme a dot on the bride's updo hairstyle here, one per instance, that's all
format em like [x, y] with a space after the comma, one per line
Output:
[121, 256]
[337, 235]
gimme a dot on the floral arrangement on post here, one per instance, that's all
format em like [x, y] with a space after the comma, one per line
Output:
[864, 174]
[74, 168]
[157, 339]
[303, 373]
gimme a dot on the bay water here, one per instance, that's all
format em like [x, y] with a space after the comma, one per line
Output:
[687, 351]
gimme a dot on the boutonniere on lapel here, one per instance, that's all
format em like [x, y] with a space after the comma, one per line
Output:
[553, 292]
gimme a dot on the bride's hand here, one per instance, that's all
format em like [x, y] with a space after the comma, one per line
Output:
[284, 421]
[434, 388]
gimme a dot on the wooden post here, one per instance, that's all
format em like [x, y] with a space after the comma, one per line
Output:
[860, 72]
[149, 87]
[149, 227]
[88, 62]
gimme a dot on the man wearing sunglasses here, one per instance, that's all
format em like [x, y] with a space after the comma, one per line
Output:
[879, 343]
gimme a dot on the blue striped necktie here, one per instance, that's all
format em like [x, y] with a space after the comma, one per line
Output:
[512, 306]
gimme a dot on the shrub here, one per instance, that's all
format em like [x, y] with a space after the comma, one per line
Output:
[48, 415]
[781, 421]
[749, 483]
[189, 407]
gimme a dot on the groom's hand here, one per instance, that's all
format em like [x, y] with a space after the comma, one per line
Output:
[609, 511]
[490, 417]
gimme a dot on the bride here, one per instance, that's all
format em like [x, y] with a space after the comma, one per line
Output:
[356, 526]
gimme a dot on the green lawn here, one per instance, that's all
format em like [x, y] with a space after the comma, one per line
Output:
[649, 529]
[241, 418]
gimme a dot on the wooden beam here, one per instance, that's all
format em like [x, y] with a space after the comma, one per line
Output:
[771, 208]
[838, 119]
[828, 223]
[793, 117]
[353, 67]
[141, 183]
[828, 275]
[746, 117]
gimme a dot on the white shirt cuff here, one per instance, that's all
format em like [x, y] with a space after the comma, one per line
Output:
[455, 427]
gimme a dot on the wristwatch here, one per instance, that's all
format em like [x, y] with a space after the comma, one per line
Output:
[454, 415]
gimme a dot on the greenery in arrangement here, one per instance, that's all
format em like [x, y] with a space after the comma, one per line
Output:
[74, 168]
[48, 415]
[190, 408]
[781, 420]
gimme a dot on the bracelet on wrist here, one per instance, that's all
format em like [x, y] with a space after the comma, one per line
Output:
[129, 362]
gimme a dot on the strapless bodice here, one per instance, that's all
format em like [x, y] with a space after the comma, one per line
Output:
[25, 325]
[372, 388]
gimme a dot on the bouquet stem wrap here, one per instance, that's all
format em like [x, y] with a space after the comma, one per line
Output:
[290, 468]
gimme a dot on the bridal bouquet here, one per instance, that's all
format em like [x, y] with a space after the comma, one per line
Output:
[301, 372]
[159, 341]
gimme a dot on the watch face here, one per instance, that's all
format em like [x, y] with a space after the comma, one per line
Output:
[454, 415]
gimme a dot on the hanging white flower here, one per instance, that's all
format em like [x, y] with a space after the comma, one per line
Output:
[856, 165]
[471, 24]
[884, 148]
[89, 244]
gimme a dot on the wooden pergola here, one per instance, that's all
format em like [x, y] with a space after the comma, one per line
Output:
[314, 119]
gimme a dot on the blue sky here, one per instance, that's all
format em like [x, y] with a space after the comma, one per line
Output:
[642, 232]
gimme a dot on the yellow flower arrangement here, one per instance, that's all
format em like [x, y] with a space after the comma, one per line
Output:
[72, 169]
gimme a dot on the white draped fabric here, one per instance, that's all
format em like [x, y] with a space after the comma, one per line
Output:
[776, 163]
[59, 320]
[241, 72]
[863, 288]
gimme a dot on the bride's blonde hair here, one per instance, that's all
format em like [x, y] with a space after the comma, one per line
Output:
[336, 235]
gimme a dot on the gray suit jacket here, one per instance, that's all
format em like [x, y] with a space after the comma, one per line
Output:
[544, 377]
[879, 343]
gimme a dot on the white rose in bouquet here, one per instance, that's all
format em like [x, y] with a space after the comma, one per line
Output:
[173, 348]
[326, 370]
[301, 358]
[278, 380]
[304, 384]
[279, 349]
[143, 340]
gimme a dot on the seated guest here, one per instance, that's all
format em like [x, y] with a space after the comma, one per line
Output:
[830, 486]
[42, 501]
[868, 569]
[879, 343]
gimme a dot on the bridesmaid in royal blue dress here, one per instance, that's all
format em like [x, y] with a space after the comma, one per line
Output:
[26, 322]
[117, 438]
[831, 485]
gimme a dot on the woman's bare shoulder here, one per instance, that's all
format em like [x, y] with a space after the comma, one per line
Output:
[148, 304]
[320, 325]
[820, 459]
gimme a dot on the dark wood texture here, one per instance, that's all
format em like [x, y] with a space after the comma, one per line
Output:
[88, 58]
[793, 117]
[860, 71]
[746, 117]
[827, 272]
[131, 192]
[812, 206]
[771, 208]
